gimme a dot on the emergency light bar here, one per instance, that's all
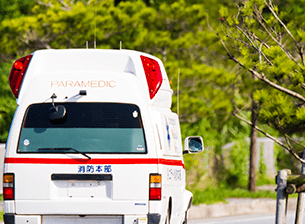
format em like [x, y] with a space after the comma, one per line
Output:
[151, 68]
[17, 74]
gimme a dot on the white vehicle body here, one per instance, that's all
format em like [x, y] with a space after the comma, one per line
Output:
[54, 184]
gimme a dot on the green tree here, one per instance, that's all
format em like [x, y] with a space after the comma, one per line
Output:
[7, 102]
[15, 8]
[9, 10]
[56, 24]
[266, 42]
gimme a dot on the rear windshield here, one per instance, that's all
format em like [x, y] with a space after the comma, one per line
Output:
[86, 127]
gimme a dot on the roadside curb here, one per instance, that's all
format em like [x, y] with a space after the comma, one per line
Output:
[237, 206]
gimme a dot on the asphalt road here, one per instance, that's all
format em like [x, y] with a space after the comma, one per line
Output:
[268, 218]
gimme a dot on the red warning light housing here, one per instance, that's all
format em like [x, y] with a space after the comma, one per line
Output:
[153, 75]
[17, 73]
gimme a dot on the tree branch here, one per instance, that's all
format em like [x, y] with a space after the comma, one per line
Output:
[281, 22]
[255, 47]
[65, 7]
[259, 18]
[49, 4]
[262, 77]
[300, 49]
[294, 141]
[290, 150]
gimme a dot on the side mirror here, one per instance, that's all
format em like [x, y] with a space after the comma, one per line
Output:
[193, 144]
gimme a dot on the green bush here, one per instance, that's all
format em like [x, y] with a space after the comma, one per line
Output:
[219, 194]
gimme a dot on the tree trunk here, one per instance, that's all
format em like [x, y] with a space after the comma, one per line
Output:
[253, 148]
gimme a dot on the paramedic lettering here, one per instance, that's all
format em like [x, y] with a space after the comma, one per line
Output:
[91, 83]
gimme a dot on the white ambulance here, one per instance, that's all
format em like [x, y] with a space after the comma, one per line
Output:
[93, 140]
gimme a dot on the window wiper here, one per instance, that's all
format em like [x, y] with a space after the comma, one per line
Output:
[51, 149]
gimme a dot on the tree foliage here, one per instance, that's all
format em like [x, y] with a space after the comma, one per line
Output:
[266, 42]
[15, 8]
[173, 31]
[7, 103]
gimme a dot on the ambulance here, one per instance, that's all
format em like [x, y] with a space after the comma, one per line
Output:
[93, 140]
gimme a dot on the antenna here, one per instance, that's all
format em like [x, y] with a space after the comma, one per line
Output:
[178, 91]
[120, 44]
[95, 29]
[53, 97]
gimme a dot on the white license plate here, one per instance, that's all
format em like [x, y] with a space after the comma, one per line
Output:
[82, 220]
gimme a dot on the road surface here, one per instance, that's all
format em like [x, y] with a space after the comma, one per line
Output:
[268, 218]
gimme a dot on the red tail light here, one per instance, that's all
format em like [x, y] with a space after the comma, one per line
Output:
[8, 186]
[17, 74]
[153, 75]
[155, 187]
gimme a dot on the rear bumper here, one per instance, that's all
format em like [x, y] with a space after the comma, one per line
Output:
[151, 218]
[80, 207]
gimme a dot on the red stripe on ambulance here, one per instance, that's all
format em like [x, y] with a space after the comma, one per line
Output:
[168, 162]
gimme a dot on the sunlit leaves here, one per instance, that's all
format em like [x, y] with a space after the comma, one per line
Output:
[261, 43]
[7, 102]
[224, 11]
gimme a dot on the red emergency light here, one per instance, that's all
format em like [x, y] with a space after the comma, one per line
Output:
[17, 73]
[153, 75]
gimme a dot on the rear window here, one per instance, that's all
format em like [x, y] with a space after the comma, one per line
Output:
[86, 127]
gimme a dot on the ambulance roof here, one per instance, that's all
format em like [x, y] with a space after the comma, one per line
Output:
[67, 67]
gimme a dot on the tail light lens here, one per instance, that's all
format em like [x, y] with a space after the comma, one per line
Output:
[17, 74]
[155, 187]
[153, 75]
[8, 186]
